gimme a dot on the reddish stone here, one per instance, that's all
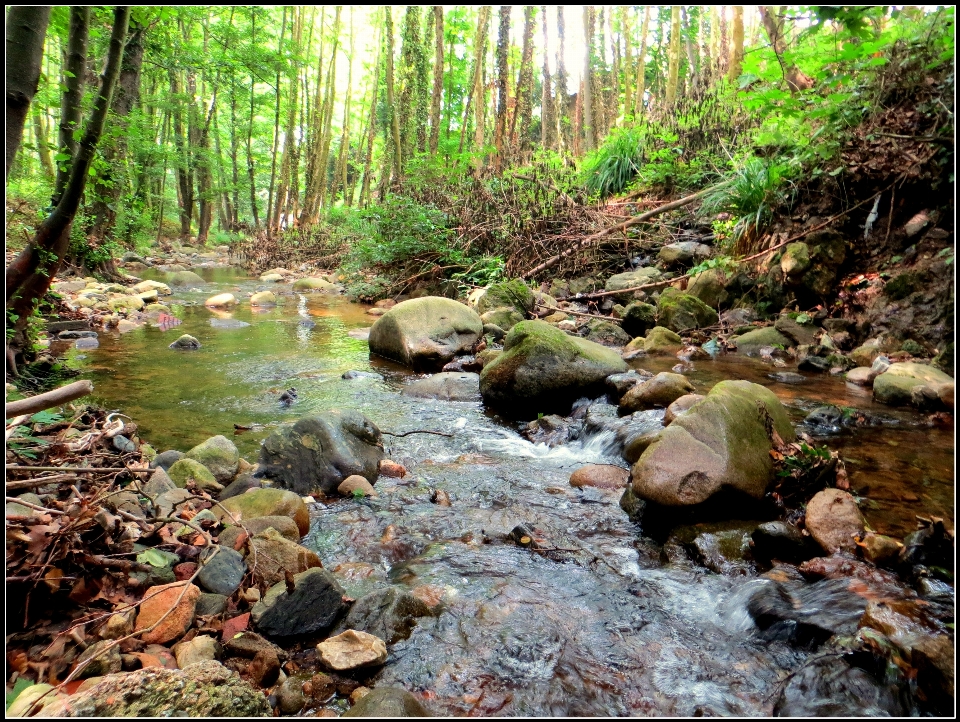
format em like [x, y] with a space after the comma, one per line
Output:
[265, 668]
[160, 600]
[392, 469]
[601, 476]
[234, 626]
[184, 571]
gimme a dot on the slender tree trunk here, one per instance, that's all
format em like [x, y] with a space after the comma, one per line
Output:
[503, 46]
[475, 94]
[642, 65]
[437, 79]
[673, 71]
[250, 169]
[340, 176]
[43, 148]
[234, 153]
[289, 142]
[688, 43]
[587, 91]
[393, 130]
[328, 113]
[627, 61]
[276, 126]
[774, 22]
[561, 98]
[74, 73]
[736, 45]
[548, 130]
[371, 130]
[524, 109]
[26, 31]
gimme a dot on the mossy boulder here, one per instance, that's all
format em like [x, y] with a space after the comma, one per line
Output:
[638, 318]
[265, 502]
[186, 278]
[796, 259]
[662, 341]
[607, 333]
[944, 359]
[542, 369]
[658, 392]
[683, 253]
[720, 443]
[388, 702]
[315, 284]
[425, 333]
[219, 455]
[187, 470]
[682, 312]
[708, 286]
[504, 317]
[751, 342]
[895, 385]
[263, 298]
[315, 454]
[161, 288]
[513, 294]
[630, 279]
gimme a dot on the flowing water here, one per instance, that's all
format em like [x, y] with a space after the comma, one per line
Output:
[593, 623]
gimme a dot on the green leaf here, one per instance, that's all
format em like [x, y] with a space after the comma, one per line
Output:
[21, 684]
[61, 156]
[46, 417]
[157, 558]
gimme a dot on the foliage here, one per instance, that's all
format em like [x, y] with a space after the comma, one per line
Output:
[724, 263]
[610, 168]
[750, 193]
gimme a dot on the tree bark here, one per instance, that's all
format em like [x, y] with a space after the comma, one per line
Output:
[250, 169]
[74, 73]
[548, 121]
[437, 79]
[524, 110]
[43, 148]
[774, 23]
[40, 402]
[276, 125]
[26, 30]
[561, 98]
[503, 46]
[588, 81]
[673, 71]
[736, 45]
[642, 65]
[627, 61]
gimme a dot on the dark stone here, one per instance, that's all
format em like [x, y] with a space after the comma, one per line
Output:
[350, 375]
[390, 614]
[223, 573]
[839, 325]
[388, 702]
[788, 377]
[825, 419]
[830, 687]
[632, 504]
[317, 453]
[166, 459]
[552, 430]
[315, 604]
[815, 364]
[722, 547]
[265, 668]
[210, 604]
[619, 384]
[240, 485]
[780, 540]
[70, 335]
[638, 318]
[58, 326]
[247, 644]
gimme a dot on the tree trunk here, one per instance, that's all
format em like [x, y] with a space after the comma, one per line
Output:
[393, 131]
[503, 46]
[736, 45]
[548, 130]
[561, 98]
[673, 71]
[340, 177]
[437, 79]
[325, 138]
[250, 169]
[29, 276]
[371, 131]
[774, 22]
[688, 38]
[627, 61]
[73, 72]
[642, 65]
[479, 51]
[588, 81]
[524, 109]
[276, 124]
[289, 142]
[26, 30]
[43, 148]
[184, 181]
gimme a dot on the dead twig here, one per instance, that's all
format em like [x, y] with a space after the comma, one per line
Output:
[32, 405]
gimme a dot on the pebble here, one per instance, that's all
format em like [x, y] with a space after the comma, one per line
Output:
[356, 483]
[351, 650]
[224, 571]
[158, 601]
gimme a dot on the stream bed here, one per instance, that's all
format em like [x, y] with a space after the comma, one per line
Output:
[596, 624]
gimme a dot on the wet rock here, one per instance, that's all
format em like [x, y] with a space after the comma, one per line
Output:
[241, 485]
[895, 386]
[866, 354]
[601, 476]
[658, 392]
[447, 386]
[219, 455]
[222, 573]
[631, 279]
[683, 253]
[934, 658]
[118, 625]
[316, 602]
[722, 547]
[159, 481]
[350, 375]
[264, 669]
[944, 359]
[708, 286]
[879, 549]
[815, 364]
[751, 342]
[187, 470]
[834, 520]
[931, 545]
[186, 278]
[788, 377]
[353, 484]
[721, 442]
[209, 604]
[263, 298]
[680, 406]
[634, 446]
[693, 353]
[276, 555]
[781, 540]
[504, 318]
[185, 343]
[681, 312]
[607, 333]
[389, 614]
[285, 525]
[352, 650]
[246, 644]
[206, 689]
[825, 419]
[425, 333]
[290, 696]
[315, 454]
[662, 341]
[165, 459]
[861, 376]
[638, 318]
[493, 331]
[844, 566]
[543, 369]
[798, 333]
[552, 430]
[105, 658]
[392, 469]
[795, 260]
[829, 687]
[619, 384]
[266, 502]
[315, 284]
[157, 602]
[199, 649]
[513, 294]
[388, 702]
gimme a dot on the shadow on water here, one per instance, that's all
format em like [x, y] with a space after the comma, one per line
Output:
[590, 624]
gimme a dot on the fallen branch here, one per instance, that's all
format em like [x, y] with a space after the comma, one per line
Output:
[36, 507]
[40, 402]
[39, 481]
[589, 240]
[580, 313]
[601, 294]
[88, 469]
[408, 433]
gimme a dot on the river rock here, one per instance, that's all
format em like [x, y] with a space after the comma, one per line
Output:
[42, 694]
[607, 333]
[720, 442]
[389, 614]
[221, 300]
[205, 689]
[316, 602]
[265, 502]
[880, 549]
[185, 343]
[707, 286]
[352, 484]
[505, 318]
[601, 476]
[829, 687]
[834, 520]
[631, 279]
[447, 386]
[425, 333]
[682, 312]
[634, 446]
[210, 604]
[187, 470]
[315, 284]
[284, 524]
[542, 369]
[157, 602]
[751, 342]
[683, 253]
[638, 318]
[105, 656]
[796, 332]
[680, 406]
[861, 376]
[783, 541]
[199, 649]
[315, 454]
[388, 702]
[159, 482]
[658, 392]
[276, 555]
[619, 384]
[263, 298]
[219, 455]
[186, 278]
[271, 278]
[222, 573]
[661, 341]
[894, 386]
[392, 469]
[513, 294]
[351, 650]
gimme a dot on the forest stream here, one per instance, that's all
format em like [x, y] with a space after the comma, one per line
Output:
[597, 621]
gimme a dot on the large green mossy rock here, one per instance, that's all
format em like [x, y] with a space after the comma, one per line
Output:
[186, 278]
[187, 470]
[720, 443]
[708, 286]
[638, 318]
[513, 294]
[630, 279]
[751, 342]
[796, 259]
[315, 284]
[425, 333]
[315, 454]
[682, 312]
[264, 502]
[662, 341]
[543, 370]
[219, 455]
[895, 385]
